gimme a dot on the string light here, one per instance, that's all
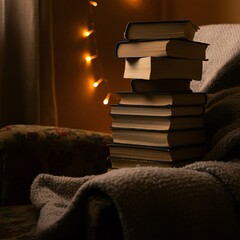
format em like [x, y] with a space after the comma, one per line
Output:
[96, 83]
[93, 3]
[89, 58]
[87, 32]
[106, 100]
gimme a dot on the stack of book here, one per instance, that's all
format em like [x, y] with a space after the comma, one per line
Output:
[159, 122]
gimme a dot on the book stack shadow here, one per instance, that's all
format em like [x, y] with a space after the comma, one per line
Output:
[160, 122]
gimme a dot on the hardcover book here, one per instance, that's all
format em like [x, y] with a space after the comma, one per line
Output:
[158, 138]
[183, 29]
[157, 153]
[162, 99]
[161, 111]
[156, 123]
[161, 48]
[118, 162]
[162, 68]
[161, 85]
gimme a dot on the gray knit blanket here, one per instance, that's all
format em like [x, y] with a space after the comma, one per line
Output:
[198, 201]
[222, 69]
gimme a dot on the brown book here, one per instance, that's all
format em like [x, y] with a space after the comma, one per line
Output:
[117, 163]
[156, 123]
[165, 111]
[161, 48]
[162, 99]
[183, 29]
[162, 68]
[157, 153]
[161, 85]
[155, 138]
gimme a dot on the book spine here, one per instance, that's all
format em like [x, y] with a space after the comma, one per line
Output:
[127, 30]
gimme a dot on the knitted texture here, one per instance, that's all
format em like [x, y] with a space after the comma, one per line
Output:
[222, 124]
[197, 202]
[222, 70]
[221, 80]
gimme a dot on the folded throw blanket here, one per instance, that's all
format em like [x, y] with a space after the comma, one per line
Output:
[222, 124]
[221, 81]
[198, 201]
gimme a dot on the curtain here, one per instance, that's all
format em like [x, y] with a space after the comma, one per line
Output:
[27, 86]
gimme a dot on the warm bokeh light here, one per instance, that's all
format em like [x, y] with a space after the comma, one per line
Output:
[106, 100]
[93, 3]
[96, 83]
[87, 33]
[91, 80]
[134, 3]
[89, 58]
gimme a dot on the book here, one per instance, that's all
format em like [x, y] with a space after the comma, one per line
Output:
[156, 123]
[117, 163]
[157, 153]
[162, 99]
[158, 138]
[184, 29]
[161, 85]
[162, 68]
[162, 48]
[162, 111]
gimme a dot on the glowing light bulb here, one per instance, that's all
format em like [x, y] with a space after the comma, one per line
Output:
[87, 33]
[89, 58]
[93, 3]
[106, 100]
[95, 84]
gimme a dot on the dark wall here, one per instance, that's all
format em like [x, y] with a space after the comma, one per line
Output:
[79, 104]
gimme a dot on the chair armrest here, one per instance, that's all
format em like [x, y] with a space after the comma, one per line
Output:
[27, 150]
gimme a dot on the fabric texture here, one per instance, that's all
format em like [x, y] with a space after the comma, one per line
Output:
[222, 124]
[221, 71]
[27, 78]
[18, 222]
[151, 202]
[221, 81]
[27, 150]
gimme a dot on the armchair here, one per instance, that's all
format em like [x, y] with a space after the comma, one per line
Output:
[26, 151]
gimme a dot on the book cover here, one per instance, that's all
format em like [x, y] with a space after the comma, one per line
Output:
[117, 162]
[157, 153]
[161, 85]
[162, 68]
[158, 138]
[162, 99]
[156, 123]
[161, 48]
[163, 111]
[160, 30]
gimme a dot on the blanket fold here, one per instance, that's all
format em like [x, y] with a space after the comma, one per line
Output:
[222, 124]
[151, 202]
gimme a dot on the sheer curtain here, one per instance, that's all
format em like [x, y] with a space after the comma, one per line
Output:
[27, 87]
